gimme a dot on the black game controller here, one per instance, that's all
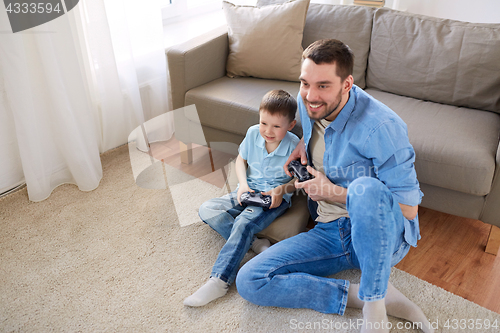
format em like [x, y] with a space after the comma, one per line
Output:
[299, 171]
[256, 199]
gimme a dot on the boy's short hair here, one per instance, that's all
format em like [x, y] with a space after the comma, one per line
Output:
[279, 102]
[329, 51]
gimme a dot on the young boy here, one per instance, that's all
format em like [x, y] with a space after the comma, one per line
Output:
[259, 168]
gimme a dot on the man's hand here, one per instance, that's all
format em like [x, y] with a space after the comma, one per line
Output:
[320, 188]
[298, 152]
[242, 189]
[276, 196]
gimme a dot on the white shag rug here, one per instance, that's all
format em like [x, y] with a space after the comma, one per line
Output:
[122, 258]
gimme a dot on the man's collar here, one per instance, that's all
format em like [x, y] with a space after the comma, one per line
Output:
[341, 120]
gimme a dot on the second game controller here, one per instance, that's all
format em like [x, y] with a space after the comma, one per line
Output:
[256, 199]
[299, 171]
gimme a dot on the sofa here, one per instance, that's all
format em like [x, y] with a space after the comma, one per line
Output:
[442, 77]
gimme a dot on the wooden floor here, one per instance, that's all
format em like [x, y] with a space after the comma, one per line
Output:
[450, 254]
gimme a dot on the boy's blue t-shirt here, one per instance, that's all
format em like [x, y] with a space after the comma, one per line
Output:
[265, 171]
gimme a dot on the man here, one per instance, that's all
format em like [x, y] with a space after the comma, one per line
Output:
[364, 196]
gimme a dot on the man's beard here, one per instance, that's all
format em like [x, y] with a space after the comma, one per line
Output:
[328, 112]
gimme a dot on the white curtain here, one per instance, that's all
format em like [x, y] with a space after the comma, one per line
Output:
[75, 87]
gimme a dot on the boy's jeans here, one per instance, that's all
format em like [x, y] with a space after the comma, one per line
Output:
[292, 273]
[237, 225]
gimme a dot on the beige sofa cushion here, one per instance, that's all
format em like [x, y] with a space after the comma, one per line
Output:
[349, 24]
[433, 59]
[266, 42]
[293, 222]
[455, 147]
[262, 3]
[233, 104]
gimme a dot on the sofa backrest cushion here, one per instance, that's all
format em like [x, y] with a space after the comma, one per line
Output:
[262, 3]
[265, 42]
[349, 24]
[444, 61]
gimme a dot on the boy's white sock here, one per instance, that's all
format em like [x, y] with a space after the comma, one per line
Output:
[260, 244]
[211, 290]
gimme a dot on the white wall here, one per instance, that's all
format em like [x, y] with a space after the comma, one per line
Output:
[476, 11]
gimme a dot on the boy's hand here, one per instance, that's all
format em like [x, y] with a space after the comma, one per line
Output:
[276, 196]
[242, 189]
[320, 188]
[298, 153]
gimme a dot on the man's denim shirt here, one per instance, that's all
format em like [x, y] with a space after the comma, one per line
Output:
[367, 139]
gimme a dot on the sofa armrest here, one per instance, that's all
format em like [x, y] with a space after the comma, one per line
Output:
[491, 209]
[196, 62]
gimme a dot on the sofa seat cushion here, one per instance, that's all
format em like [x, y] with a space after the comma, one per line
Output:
[455, 147]
[232, 104]
[291, 223]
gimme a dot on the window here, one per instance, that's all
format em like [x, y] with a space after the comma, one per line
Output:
[179, 9]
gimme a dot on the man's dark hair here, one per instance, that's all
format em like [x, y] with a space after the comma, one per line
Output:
[329, 51]
[279, 102]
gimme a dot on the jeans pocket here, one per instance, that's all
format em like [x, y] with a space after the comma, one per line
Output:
[400, 253]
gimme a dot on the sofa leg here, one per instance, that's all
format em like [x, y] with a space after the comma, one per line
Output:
[186, 152]
[493, 240]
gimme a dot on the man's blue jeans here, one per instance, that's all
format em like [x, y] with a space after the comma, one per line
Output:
[237, 225]
[292, 273]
